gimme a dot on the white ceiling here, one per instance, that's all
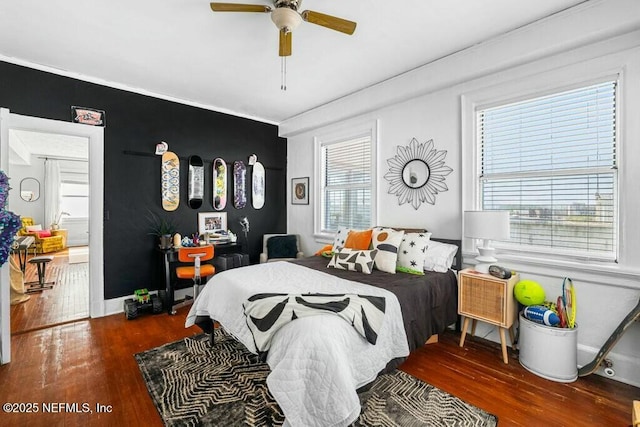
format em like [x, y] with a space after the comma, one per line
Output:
[229, 62]
[24, 144]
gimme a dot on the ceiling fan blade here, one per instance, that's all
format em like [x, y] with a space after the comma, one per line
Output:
[237, 7]
[285, 43]
[332, 22]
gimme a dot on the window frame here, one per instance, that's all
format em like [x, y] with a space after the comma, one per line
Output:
[517, 91]
[343, 134]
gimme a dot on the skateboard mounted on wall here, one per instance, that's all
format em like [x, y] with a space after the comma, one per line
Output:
[591, 367]
[239, 184]
[170, 181]
[196, 181]
[257, 186]
[219, 184]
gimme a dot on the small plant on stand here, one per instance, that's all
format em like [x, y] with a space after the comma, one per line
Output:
[163, 228]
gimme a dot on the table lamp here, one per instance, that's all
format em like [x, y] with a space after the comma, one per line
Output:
[486, 225]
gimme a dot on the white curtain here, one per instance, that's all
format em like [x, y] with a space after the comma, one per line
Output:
[51, 192]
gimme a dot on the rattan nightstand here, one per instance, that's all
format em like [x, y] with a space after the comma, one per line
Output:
[488, 299]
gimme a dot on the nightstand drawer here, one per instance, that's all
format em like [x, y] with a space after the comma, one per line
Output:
[482, 299]
[486, 298]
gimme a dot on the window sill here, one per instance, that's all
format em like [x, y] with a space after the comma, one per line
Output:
[582, 271]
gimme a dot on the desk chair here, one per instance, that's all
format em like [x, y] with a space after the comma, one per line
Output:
[196, 272]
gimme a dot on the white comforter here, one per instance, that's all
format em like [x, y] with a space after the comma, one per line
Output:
[318, 362]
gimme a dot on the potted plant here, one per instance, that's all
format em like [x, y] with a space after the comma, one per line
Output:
[163, 228]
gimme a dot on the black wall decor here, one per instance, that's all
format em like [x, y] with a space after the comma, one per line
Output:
[132, 171]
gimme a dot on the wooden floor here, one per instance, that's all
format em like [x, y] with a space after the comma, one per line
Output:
[91, 362]
[67, 300]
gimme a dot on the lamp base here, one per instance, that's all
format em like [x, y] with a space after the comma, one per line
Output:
[485, 259]
[482, 267]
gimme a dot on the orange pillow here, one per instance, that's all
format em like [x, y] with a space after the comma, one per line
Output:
[325, 249]
[360, 240]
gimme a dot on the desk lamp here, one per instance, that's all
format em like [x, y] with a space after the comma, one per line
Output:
[486, 225]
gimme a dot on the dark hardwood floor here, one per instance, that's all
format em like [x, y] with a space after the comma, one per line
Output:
[68, 299]
[91, 361]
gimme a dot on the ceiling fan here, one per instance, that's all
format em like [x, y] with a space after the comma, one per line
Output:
[285, 15]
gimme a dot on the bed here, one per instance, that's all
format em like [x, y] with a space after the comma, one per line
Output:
[317, 363]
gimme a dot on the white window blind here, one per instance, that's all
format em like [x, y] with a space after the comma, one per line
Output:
[551, 161]
[346, 184]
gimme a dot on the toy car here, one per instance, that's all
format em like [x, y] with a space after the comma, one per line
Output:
[142, 301]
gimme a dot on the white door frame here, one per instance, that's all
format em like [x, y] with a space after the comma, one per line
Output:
[95, 134]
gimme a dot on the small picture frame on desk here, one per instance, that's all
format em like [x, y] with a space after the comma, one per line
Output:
[211, 221]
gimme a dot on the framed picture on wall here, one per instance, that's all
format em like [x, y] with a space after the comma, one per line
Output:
[211, 221]
[88, 116]
[300, 191]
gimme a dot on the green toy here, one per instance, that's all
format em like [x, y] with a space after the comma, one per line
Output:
[141, 301]
[529, 292]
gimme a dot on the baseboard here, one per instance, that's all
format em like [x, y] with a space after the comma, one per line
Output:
[625, 368]
[116, 305]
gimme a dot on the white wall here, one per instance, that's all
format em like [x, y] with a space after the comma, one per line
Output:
[427, 104]
[17, 173]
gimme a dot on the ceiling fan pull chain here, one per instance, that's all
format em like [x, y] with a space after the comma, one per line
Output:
[283, 73]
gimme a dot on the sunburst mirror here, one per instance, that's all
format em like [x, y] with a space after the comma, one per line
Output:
[416, 174]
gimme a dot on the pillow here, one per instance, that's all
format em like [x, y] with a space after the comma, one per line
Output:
[43, 233]
[353, 260]
[386, 241]
[358, 239]
[439, 256]
[413, 251]
[282, 247]
[36, 227]
[326, 249]
[340, 238]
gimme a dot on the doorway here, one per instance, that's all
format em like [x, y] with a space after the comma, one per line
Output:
[95, 137]
[56, 167]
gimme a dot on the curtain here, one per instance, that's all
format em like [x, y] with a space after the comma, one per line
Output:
[51, 192]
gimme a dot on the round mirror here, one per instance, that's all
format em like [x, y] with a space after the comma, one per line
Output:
[29, 189]
[415, 173]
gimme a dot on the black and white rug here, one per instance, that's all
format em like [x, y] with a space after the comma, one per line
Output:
[193, 384]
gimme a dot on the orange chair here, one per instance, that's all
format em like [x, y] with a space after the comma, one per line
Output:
[196, 272]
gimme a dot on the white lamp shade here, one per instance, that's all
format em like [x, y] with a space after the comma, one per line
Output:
[493, 225]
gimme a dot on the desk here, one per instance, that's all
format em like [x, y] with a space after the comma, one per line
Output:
[21, 247]
[170, 256]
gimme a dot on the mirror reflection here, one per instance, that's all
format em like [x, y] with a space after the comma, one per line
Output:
[29, 189]
[415, 173]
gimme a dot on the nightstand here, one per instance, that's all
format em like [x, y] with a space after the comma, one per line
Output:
[488, 299]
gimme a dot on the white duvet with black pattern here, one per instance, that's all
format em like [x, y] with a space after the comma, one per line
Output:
[316, 362]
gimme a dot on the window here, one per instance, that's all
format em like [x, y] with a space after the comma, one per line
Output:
[346, 177]
[74, 194]
[551, 161]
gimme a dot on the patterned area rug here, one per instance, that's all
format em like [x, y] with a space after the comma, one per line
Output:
[193, 384]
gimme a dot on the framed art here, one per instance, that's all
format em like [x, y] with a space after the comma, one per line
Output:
[211, 221]
[88, 116]
[300, 191]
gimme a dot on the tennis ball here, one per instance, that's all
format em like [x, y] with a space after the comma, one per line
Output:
[529, 292]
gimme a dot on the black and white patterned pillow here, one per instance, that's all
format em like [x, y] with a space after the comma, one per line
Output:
[413, 252]
[340, 238]
[353, 260]
[387, 242]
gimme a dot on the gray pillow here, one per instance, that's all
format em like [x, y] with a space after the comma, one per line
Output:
[282, 247]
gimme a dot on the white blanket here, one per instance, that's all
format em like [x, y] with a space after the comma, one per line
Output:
[318, 362]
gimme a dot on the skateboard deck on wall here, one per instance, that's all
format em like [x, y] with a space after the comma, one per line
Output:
[239, 184]
[219, 184]
[196, 181]
[170, 181]
[591, 367]
[257, 186]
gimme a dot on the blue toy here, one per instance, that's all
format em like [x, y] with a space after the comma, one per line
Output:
[541, 314]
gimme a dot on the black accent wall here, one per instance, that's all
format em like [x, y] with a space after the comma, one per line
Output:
[135, 123]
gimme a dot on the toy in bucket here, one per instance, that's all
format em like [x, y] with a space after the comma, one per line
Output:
[569, 302]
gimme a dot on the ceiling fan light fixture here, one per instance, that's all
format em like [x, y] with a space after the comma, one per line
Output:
[286, 18]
